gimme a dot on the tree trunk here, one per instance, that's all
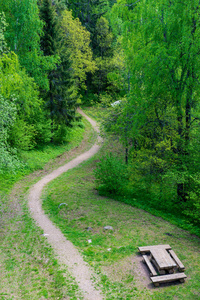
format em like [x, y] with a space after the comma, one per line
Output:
[181, 194]
[51, 110]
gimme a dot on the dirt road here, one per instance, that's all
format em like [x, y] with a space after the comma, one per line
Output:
[66, 252]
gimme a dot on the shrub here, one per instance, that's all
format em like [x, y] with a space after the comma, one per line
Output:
[111, 175]
[22, 135]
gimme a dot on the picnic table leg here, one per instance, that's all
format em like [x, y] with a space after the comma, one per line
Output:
[156, 284]
[171, 271]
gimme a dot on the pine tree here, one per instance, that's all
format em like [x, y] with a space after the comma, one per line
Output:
[60, 99]
[48, 16]
[88, 12]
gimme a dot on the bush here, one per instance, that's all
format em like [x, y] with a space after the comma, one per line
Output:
[22, 135]
[191, 208]
[111, 175]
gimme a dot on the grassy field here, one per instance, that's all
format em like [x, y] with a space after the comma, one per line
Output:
[29, 269]
[114, 253]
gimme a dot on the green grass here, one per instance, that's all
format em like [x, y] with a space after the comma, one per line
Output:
[96, 112]
[114, 254]
[29, 269]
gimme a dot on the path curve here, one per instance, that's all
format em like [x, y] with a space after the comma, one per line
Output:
[66, 252]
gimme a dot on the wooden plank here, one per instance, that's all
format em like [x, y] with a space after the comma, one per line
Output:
[163, 259]
[161, 272]
[168, 278]
[147, 249]
[150, 266]
[177, 260]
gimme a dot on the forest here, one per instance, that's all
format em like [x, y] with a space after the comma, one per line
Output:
[137, 63]
[99, 148]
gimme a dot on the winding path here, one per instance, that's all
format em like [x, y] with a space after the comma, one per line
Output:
[66, 252]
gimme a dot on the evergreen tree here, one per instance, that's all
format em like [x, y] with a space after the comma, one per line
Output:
[103, 55]
[61, 99]
[88, 12]
[48, 16]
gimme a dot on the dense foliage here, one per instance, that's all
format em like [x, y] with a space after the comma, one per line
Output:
[158, 122]
[45, 54]
[56, 54]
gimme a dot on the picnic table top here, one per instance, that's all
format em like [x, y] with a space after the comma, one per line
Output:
[163, 258]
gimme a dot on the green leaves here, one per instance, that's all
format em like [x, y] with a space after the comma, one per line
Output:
[3, 25]
[77, 41]
[8, 114]
[15, 81]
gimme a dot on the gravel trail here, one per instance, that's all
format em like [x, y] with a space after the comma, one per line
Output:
[66, 252]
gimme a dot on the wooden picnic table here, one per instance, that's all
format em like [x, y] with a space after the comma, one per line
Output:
[165, 260]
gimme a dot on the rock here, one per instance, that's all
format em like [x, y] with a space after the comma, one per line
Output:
[89, 228]
[109, 249]
[62, 204]
[108, 228]
[89, 241]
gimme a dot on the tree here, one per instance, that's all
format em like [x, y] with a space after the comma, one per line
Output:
[91, 14]
[15, 83]
[8, 159]
[65, 37]
[3, 25]
[161, 46]
[88, 12]
[76, 60]
[48, 46]
[103, 54]
[48, 16]
[77, 41]
[23, 37]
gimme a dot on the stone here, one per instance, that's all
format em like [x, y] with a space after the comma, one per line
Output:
[89, 228]
[62, 204]
[108, 228]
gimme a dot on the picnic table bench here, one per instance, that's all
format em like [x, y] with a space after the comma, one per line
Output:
[161, 259]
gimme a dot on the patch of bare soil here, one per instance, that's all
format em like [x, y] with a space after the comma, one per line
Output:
[66, 253]
[130, 266]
